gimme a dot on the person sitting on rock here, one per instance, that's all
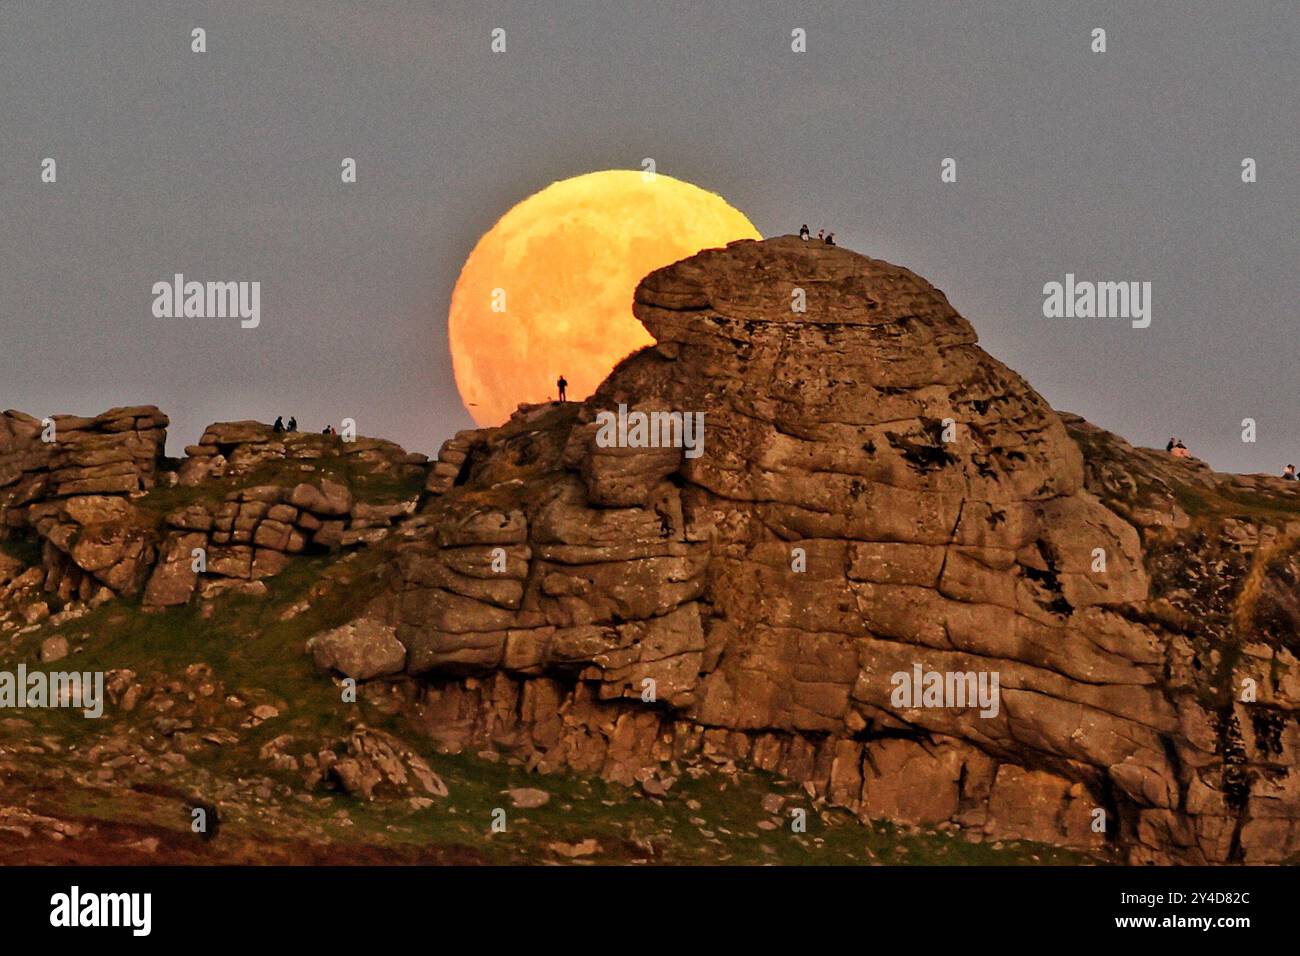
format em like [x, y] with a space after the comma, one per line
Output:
[830, 238]
[1289, 473]
[279, 424]
[821, 234]
[803, 231]
[293, 424]
[1180, 450]
[562, 385]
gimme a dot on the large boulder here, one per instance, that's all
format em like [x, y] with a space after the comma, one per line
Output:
[875, 509]
[369, 763]
[362, 649]
[174, 577]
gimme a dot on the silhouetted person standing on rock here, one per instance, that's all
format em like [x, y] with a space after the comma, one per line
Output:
[821, 234]
[279, 424]
[562, 385]
[293, 424]
[1172, 442]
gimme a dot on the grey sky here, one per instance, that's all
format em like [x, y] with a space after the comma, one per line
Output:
[225, 165]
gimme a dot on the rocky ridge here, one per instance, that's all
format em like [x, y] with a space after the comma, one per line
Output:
[876, 494]
[114, 517]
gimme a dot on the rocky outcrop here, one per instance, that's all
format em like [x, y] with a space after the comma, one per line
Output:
[877, 501]
[238, 449]
[71, 480]
[451, 459]
[116, 453]
[210, 547]
[369, 763]
[93, 492]
[92, 543]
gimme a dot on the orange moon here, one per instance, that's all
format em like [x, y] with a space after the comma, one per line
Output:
[548, 290]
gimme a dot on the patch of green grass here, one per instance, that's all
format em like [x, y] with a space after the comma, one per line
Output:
[1237, 502]
[711, 820]
[245, 642]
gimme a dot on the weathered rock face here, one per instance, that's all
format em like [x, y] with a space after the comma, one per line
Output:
[70, 479]
[116, 453]
[88, 490]
[252, 532]
[876, 498]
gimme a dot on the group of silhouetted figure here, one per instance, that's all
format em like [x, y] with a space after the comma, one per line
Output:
[822, 234]
[280, 426]
[1176, 448]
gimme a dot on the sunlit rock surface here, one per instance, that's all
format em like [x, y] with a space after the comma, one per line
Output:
[875, 493]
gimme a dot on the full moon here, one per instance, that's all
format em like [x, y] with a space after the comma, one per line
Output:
[548, 290]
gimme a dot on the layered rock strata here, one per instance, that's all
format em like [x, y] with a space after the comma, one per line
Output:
[877, 500]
